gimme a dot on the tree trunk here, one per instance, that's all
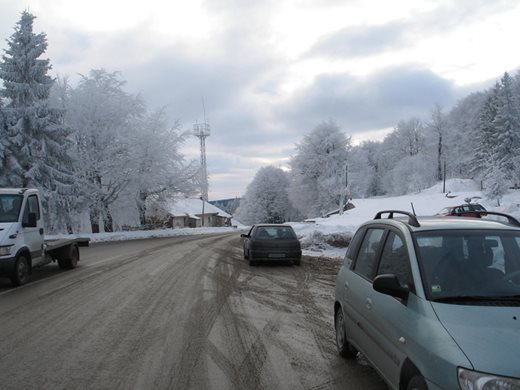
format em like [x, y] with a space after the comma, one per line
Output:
[141, 206]
[94, 219]
[108, 223]
[439, 154]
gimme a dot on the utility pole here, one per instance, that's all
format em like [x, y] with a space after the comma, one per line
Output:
[344, 192]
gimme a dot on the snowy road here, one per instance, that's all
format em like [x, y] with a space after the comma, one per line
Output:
[175, 313]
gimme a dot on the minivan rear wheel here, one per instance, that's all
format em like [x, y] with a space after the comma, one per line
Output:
[345, 349]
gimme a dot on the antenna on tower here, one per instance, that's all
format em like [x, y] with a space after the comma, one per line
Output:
[204, 109]
[202, 131]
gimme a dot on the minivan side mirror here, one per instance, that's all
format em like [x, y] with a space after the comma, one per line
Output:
[244, 235]
[31, 221]
[389, 284]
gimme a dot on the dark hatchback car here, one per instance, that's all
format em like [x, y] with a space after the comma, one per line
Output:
[464, 210]
[272, 242]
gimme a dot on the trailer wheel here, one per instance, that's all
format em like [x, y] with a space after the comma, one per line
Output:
[72, 260]
[20, 271]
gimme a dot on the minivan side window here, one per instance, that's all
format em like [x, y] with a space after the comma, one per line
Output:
[394, 259]
[352, 248]
[366, 258]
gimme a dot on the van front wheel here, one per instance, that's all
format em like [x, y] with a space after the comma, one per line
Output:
[20, 271]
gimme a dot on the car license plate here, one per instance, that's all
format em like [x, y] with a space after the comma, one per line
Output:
[276, 255]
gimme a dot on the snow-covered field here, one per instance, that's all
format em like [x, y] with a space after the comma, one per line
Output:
[427, 202]
[336, 228]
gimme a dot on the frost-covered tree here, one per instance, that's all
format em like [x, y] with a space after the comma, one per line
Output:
[408, 137]
[365, 167]
[507, 129]
[411, 174]
[498, 135]
[35, 142]
[266, 199]
[486, 134]
[104, 118]
[406, 162]
[461, 137]
[318, 170]
[159, 166]
[3, 136]
[496, 183]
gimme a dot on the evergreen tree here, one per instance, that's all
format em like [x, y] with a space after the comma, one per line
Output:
[486, 134]
[507, 129]
[496, 183]
[36, 142]
[3, 137]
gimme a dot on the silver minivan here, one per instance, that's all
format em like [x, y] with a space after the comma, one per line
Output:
[433, 302]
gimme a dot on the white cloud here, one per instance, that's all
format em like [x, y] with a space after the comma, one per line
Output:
[270, 71]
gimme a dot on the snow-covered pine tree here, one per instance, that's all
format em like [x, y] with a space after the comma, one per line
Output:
[37, 144]
[3, 137]
[486, 134]
[507, 129]
[496, 183]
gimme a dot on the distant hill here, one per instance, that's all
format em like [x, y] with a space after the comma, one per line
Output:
[228, 205]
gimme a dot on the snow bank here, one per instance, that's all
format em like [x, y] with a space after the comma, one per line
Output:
[427, 202]
[143, 234]
[328, 237]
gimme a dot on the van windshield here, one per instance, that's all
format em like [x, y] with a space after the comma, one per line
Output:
[10, 205]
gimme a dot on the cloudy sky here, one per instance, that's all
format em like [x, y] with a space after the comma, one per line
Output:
[270, 71]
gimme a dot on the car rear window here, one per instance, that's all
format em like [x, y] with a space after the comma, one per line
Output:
[275, 233]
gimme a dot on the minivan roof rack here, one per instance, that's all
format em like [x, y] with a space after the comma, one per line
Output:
[510, 219]
[412, 219]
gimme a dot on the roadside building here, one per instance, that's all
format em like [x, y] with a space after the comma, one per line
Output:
[188, 212]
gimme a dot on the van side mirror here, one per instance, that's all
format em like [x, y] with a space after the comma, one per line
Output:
[244, 235]
[32, 221]
[389, 284]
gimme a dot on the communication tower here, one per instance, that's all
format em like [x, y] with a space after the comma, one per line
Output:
[201, 131]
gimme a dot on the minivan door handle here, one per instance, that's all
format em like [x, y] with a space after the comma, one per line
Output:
[368, 303]
[41, 231]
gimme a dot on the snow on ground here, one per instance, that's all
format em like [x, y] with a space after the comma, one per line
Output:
[427, 202]
[328, 237]
[142, 234]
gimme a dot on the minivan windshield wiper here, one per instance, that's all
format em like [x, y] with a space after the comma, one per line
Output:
[478, 298]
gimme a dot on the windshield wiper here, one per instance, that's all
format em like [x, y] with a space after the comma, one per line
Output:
[479, 298]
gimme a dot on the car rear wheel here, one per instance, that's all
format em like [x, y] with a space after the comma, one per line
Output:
[345, 349]
[417, 383]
